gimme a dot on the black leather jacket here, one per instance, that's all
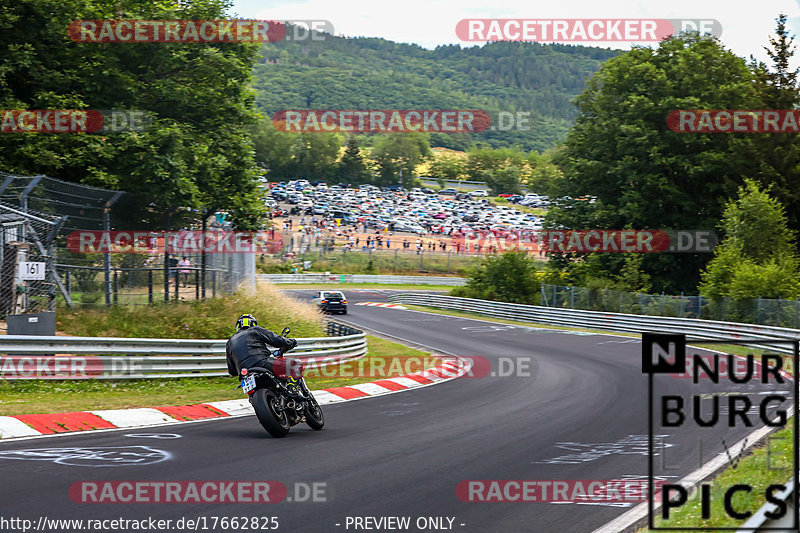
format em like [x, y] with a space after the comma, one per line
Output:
[251, 347]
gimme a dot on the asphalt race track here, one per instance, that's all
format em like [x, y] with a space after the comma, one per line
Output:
[578, 412]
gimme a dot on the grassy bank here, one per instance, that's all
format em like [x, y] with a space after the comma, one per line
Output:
[209, 319]
[51, 396]
[382, 262]
[539, 211]
[769, 464]
[397, 287]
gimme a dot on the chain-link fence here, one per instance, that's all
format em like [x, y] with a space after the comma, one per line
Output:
[84, 207]
[28, 279]
[395, 254]
[765, 311]
[155, 275]
[42, 220]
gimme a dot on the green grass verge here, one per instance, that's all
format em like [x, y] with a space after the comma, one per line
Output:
[382, 262]
[57, 396]
[478, 316]
[330, 286]
[768, 464]
[539, 211]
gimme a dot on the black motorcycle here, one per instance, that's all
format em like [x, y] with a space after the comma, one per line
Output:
[280, 401]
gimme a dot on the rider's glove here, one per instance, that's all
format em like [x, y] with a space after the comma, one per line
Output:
[293, 343]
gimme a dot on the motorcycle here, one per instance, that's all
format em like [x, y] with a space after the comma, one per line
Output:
[277, 407]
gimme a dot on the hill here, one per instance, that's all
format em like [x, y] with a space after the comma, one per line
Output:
[373, 73]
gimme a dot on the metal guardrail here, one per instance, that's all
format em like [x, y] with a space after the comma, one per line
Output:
[692, 327]
[426, 180]
[31, 357]
[759, 520]
[361, 278]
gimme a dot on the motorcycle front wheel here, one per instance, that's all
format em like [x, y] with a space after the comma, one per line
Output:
[269, 413]
[314, 417]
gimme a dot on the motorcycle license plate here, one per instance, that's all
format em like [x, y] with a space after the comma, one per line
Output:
[248, 384]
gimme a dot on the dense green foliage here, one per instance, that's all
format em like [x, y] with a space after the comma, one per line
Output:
[446, 167]
[371, 73]
[508, 277]
[646, 176]
[395, 158]
[758, 255]
[195, 154]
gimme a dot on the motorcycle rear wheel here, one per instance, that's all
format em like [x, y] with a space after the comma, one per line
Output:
[272, 418]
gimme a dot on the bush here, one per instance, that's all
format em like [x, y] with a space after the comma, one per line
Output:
[510, 277]
[274, 267]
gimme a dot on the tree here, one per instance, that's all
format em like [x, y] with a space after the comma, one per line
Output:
[543, 175]
[397, 156]
[196, 150]
[783, 80]
[508, 277]
[371, 73]
[272, 148]
[778, 154]
[352, 168]
[446, 167]
[644, 175]
[757, 256]
[504, 180]
[314, 154]
[481, 161]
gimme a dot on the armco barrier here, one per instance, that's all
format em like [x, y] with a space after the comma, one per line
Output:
[760, 522]
[361, 278]
[154, 358]
[427, 181]
[692, 327]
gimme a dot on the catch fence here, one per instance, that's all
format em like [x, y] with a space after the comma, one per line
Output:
[766, 311]
[40, 216]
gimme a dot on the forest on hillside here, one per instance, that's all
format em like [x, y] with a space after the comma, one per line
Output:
[372, 73]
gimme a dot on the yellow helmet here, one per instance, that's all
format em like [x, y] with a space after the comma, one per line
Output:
[246, 321]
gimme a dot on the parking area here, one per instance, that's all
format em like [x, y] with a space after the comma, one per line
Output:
[390, 218]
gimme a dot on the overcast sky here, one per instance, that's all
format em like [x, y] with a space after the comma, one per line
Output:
[745, 27]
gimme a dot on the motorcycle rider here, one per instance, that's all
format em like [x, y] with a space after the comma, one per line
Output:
[250, 346]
